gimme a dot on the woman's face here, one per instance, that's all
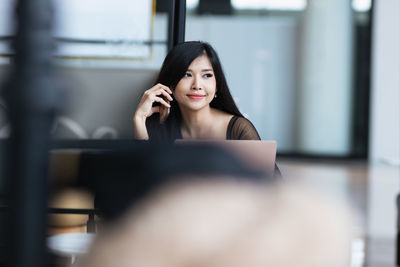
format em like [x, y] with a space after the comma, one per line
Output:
[197, 88]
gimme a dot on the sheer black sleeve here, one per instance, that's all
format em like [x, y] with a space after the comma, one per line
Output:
[240, 128]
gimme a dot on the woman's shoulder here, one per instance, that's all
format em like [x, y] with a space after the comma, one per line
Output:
[222, 117]
[240, 128]
[221, 114]
[237, 122]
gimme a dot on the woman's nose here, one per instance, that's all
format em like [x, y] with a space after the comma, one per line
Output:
[196, 84]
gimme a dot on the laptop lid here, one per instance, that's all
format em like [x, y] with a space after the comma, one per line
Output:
[257, 154]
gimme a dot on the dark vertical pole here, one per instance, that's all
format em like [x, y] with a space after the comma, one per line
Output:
[176, 22]
[361, 86]
[32, 98]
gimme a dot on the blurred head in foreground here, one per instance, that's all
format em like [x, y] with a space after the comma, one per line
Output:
[226, 223]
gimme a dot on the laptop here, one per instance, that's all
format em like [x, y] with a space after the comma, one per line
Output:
[257, 154]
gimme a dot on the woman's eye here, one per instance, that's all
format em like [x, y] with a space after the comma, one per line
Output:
[187, 74]
[208, 75]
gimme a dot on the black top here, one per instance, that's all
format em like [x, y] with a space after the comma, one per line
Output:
[239, 128]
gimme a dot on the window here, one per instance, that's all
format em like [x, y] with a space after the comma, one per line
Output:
[269, 4]
[92, 28]
[358, 5]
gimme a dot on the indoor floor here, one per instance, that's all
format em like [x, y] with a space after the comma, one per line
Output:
[370, 191]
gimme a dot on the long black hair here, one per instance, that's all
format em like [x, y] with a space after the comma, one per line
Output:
[172, 70]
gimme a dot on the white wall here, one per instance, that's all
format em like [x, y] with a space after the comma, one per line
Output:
[325, 80]
[385, 94]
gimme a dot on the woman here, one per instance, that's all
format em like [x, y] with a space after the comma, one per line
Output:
[191, 100]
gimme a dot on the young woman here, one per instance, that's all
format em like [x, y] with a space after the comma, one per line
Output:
[191, 100]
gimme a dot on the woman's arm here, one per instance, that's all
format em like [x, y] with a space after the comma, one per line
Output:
[140, 130]
[158, 93]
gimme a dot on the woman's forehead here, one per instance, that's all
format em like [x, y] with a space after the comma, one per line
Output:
[202, 62]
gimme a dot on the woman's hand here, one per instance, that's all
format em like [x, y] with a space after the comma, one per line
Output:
[158, 93]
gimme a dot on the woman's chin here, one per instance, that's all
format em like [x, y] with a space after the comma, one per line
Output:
[195, 105]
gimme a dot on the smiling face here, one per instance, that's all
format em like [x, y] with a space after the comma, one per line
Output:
[197, 88]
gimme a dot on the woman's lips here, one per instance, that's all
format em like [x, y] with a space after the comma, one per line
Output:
[196, 97]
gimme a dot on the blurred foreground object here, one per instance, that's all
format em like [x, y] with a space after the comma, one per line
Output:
[33, 95]
[70, 245]
[225, 222]
[70, 198]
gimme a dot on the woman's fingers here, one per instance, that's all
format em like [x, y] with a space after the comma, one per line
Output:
[167, 95]
[160, 89]
[166, 88]
[162, 101]
[158, 93]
